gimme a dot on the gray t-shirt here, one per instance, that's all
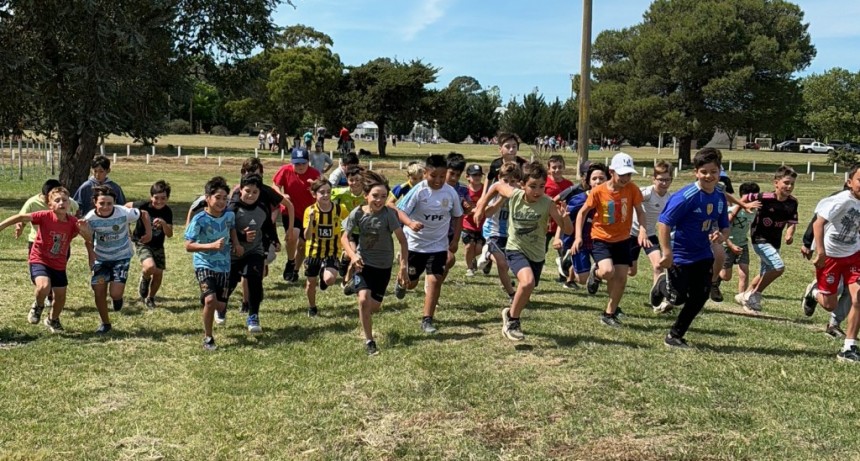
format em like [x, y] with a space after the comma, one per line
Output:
[320, 160]
[374, 240]
[251, 217]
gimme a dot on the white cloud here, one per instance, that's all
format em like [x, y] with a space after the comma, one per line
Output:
[427, 13]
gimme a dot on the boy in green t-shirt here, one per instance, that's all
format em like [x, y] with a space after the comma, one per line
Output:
[530, 210]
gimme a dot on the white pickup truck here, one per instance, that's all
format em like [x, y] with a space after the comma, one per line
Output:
[817, 147]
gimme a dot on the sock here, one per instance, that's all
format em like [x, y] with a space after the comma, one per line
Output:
[117, 304]
[849, 343]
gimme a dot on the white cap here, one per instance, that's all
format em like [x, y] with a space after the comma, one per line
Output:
[622, 164]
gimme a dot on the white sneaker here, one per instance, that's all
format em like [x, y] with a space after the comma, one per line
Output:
[739, 298]
[221, 317]
[470, 272]
[558, 266]
[484, 257]
[49, 303]
[664, 307]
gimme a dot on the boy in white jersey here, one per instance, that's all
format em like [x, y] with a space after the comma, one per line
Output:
[110, 251]
[434, 204]
[654, 200]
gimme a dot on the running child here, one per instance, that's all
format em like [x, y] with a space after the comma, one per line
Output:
[509, 145]
[688, 259]
[654, 199]
[294, 180]
[555, 184]
[456, 166]
[100, 167]
[434, 204]
[778, 211]
[473, 238]
[210, 236]
[110, 251]
[495, 229]
[837, 247]
[530, 210]
[372, 254]
[575, 268]
[414, 175]
[320, 161]
[153, 261]
[322, 224]
[48, 257]
[736, 248]
[338, 178]
[614, 202]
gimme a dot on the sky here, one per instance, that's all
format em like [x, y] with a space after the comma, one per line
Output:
[515, 45]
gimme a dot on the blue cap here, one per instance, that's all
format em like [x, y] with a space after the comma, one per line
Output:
[299, 155]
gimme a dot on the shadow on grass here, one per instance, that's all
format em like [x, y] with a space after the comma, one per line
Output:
[759, 316]
[773, 351]
[294, 333]
[9, 339]
[566, 341]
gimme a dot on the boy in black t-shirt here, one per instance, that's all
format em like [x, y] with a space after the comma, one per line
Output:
[151, 254]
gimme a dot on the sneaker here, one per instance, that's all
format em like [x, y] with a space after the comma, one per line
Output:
[104, 328]
[49, 302]
[313, 311]
[593, 283]
[560, 269]
[851, 355]
[371, 348]
[739, 298]
[755, 301]
[149, 303]
[253, 324]
[35, 313]
[716, 294]
[609, 320]
[656, 296]
[486, 269]
[570, 285]
[748, 301]
[664, 307]
[143, 287]
[427, 326]
[470, 272]
[289, 271]
[619, 313]
[834, 331]
[809, 302]
[484, 258]
[221, 317]
[399, 291]
[209, 343]
[675, 343]
[511, 328]
[349, 288]
[53, 324]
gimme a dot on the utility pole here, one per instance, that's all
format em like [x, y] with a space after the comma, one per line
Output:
[584, 83]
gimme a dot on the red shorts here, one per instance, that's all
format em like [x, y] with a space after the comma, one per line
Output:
[836, 270]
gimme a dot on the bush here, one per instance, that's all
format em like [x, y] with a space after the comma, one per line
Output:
[178, 126]
[220, 130]
[844, 157]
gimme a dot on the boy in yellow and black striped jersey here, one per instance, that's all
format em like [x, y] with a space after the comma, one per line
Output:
[322, 224]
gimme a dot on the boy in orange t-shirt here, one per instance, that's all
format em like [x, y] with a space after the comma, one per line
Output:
[615, 202]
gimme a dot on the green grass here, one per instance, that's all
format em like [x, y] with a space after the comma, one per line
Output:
[765, 387]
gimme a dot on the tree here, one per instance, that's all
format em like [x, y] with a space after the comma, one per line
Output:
[831, 103]
[464, 109]
[693, 66]
[384, 90]
[524, 119]
[86, 69]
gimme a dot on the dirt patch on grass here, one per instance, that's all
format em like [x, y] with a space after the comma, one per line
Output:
[106, 403]
[619, 447]
[142, 447]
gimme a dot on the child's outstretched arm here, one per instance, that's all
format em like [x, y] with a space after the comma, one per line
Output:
[481, 207]
[789, 233]
[147, 227]
[18, 218]
[563, 221]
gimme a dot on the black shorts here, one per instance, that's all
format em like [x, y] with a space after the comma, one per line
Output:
[212, 283]
[249, 265]
[315, 266]
[432, 263]
[297, 224]
[373, 279]
[518, 261]
[618, 252]
[688, 281]
[635, 249]
[470, 236]
[58, 278]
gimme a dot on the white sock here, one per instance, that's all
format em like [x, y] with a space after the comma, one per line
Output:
[849, 343]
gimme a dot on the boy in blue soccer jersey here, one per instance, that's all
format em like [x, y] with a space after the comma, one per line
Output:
[691, 213]
[207, 237]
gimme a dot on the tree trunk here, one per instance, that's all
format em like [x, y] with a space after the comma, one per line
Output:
[78, 153]
[684, 149]
[380, 138]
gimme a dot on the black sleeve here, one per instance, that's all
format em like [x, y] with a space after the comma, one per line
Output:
[270, 233]
[728, 183]
[808, 238]
[168, 215]
[272, 197]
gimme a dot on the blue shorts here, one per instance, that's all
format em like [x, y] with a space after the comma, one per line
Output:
[110, 271]
[582, 261]
[497, 244]
[518, 261]
[58, 278]
[770, 258]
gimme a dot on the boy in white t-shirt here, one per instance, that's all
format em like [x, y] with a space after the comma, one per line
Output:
[433, 204]
[837, 255]
[654, 200]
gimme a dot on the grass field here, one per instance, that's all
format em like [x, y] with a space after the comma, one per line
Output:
[765, 387]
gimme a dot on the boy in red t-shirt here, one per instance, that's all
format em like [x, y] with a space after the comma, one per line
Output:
[555, 184]
[473, 238]
[294, 180]
[48, 257]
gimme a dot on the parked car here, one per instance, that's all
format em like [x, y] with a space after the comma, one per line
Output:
[817, 147]
[751, 146]
[836, 144]
[788, 146]
[851, 147]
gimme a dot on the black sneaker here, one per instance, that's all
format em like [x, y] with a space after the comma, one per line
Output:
[851, 355]
[143, 287]
[486, 269]
[54, 325]
[809, 302]
[117, 304]
[716, 294]
[149, 303]
[349, 288]
[593, 283]
[371, 348]
[313, 311]
[323, 285]
[209, 343]
[619, 313]
[427, 326]
[570, 285]
[399, 291]
[221, 317]
[35, 314]
[834, 331]
[289, 271]
[656, 294]
[677, 343]
[103, 329]
[609, 320]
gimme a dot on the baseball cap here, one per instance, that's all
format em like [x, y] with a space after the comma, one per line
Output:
[474, 169]
[299, 155]
[622, 164]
